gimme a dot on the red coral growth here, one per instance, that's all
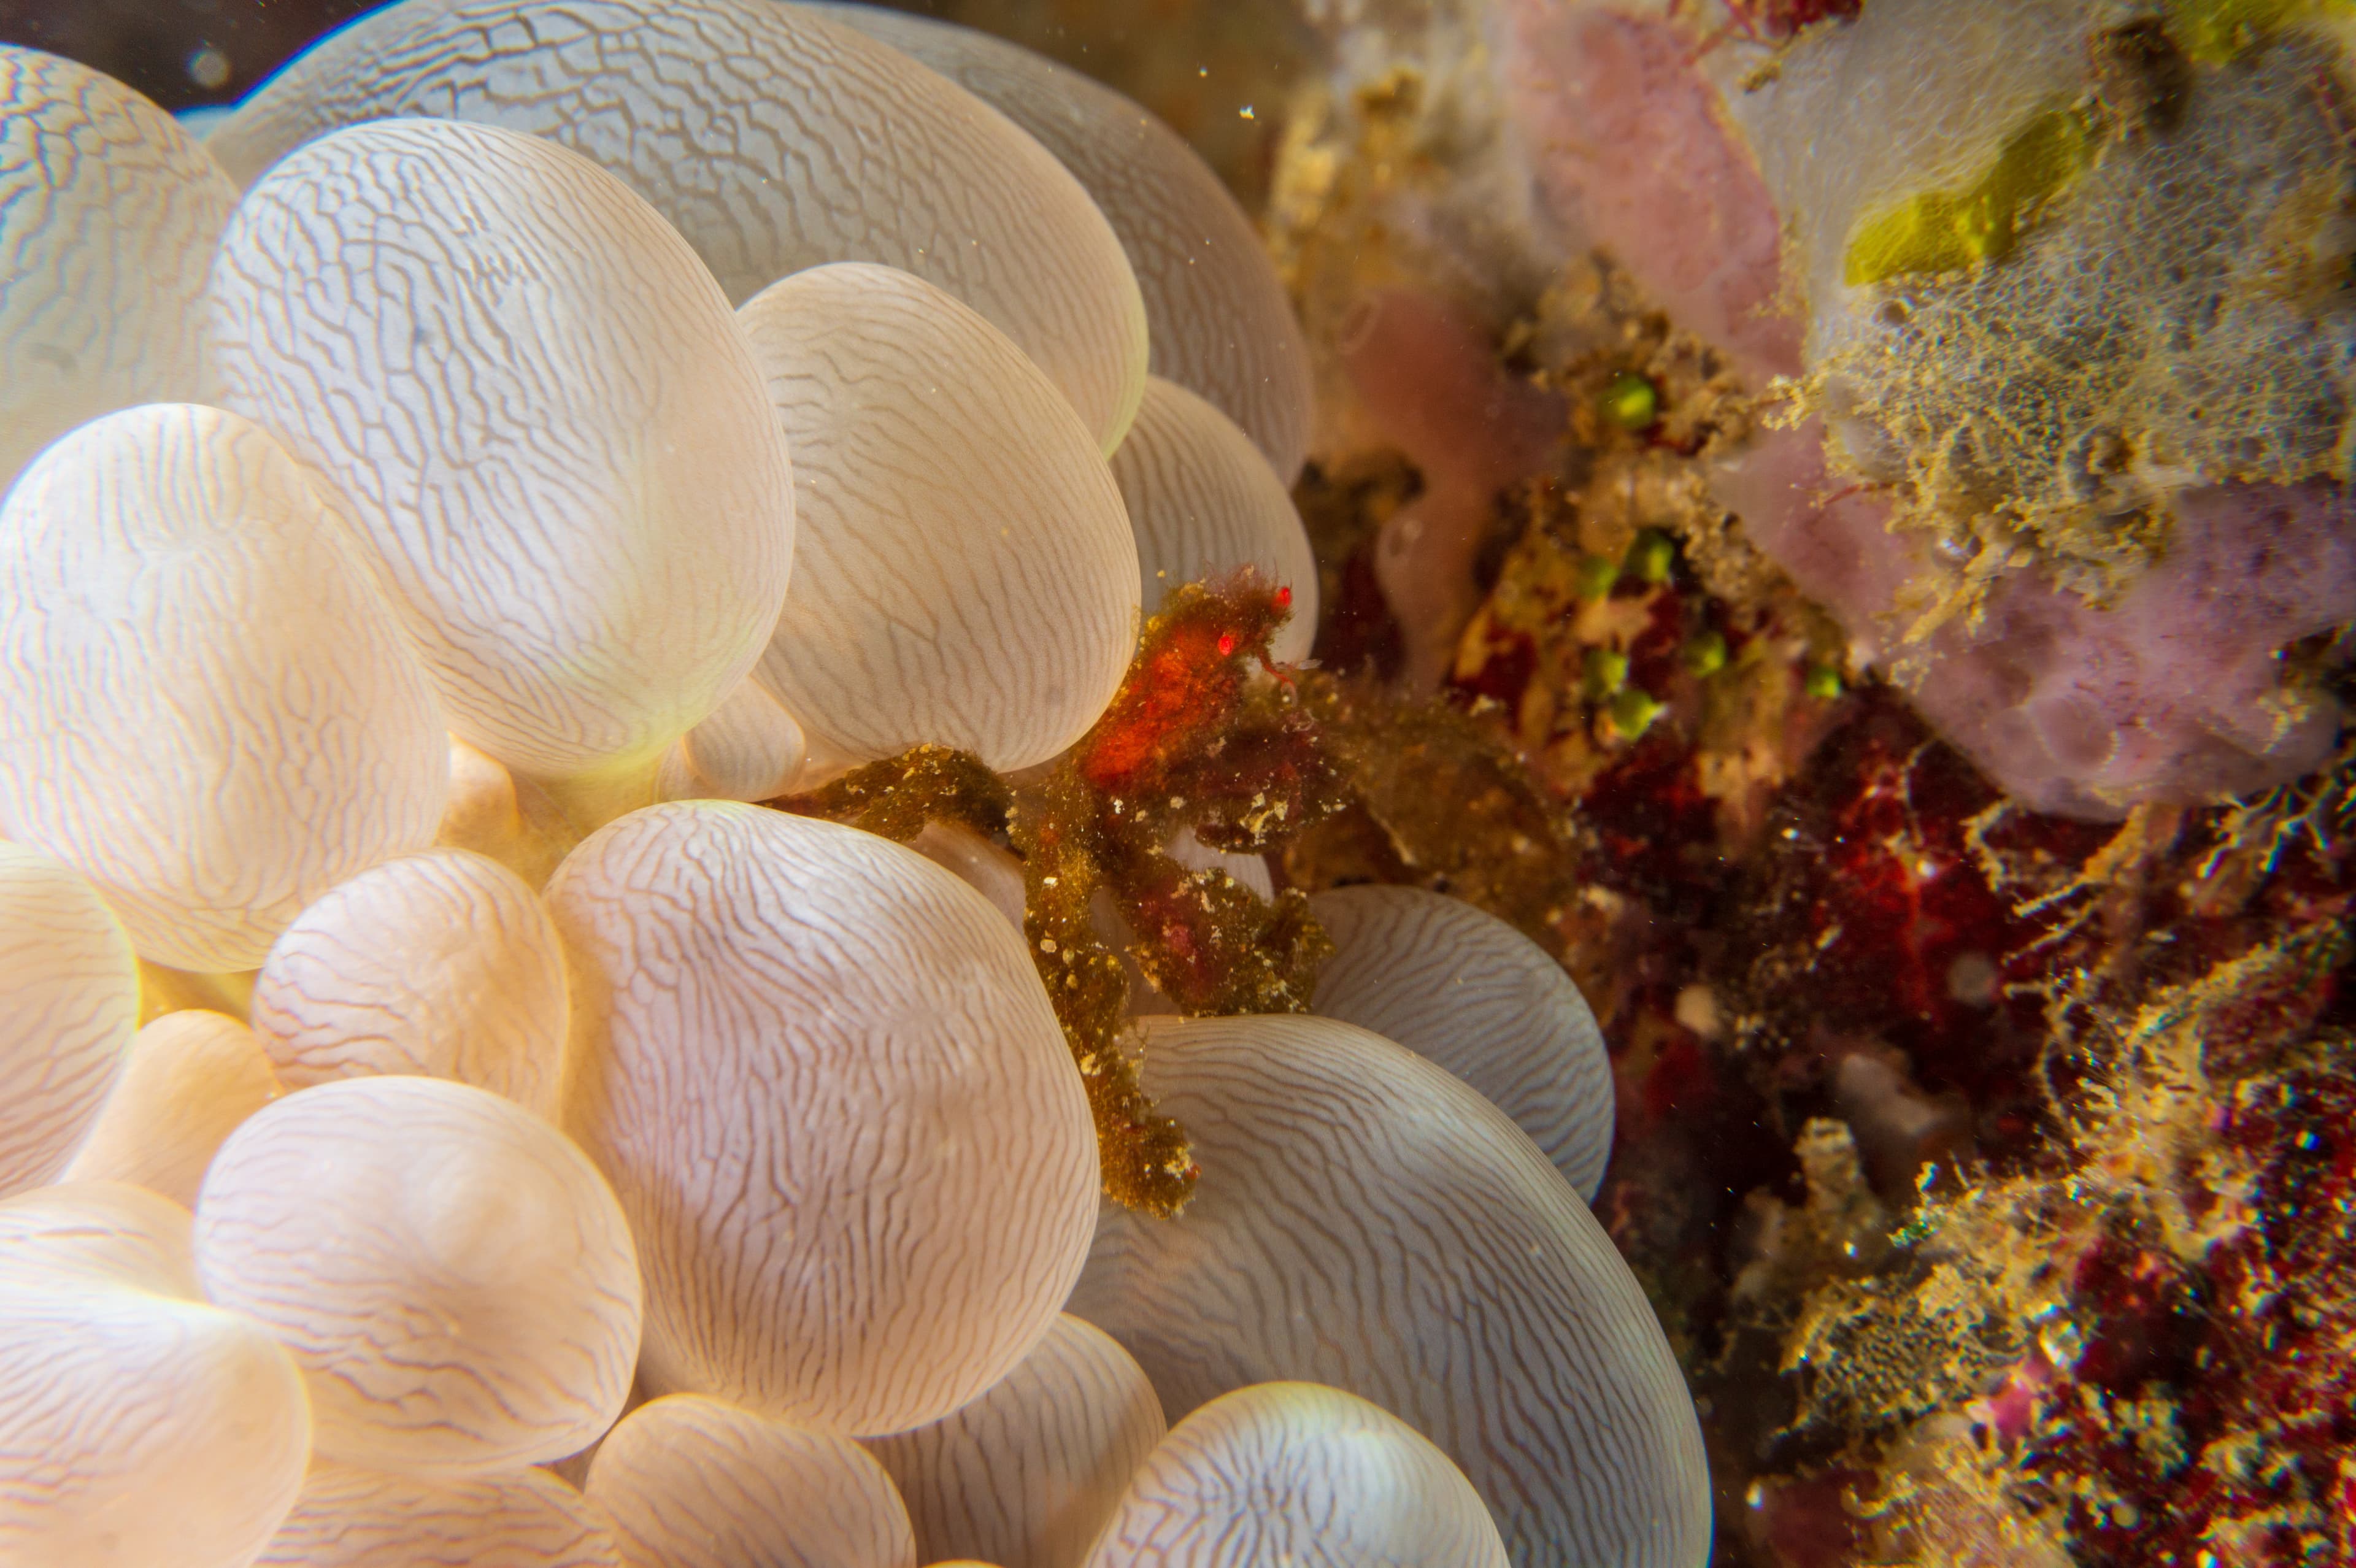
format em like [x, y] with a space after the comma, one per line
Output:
[1656, 832]
[1871, 915]
[1804, 1522]
[1509, 661]
[2141, 1301]
[2209, 1417]
[1781, 18]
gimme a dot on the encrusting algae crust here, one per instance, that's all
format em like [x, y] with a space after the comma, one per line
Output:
[1988, 1170]
[2139, 326]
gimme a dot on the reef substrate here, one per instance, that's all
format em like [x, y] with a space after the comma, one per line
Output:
[1990, 1169]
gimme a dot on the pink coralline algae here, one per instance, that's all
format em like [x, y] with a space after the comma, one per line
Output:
[2171, 692]
[1430, 384]
[1631, 152]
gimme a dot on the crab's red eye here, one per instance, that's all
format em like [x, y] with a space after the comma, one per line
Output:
[1227, 644]
[1284, 598]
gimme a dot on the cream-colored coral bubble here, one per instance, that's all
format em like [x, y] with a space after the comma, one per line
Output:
[482, 809]
[1302, 1475]
[451, 1274]
[1459, 985]
[966, 575]
[830, 1091]
[142, 1426]
[102, 1231]
[690, 1482]
[553, 437]
[771, 139]
[442, 963]
[750, 749]
[109, 214]
[68, 1003]
[190, 1080]
[511, 820]
[1204, 505]
[206, 705]
[1251, 870]
[1370, 1221]
[1029, 1472]
[350, 1518]
[991, 872]
[1220, 321]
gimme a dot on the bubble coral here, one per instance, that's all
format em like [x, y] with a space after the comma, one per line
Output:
[189, 1079]
[441, 963]
[1381, 1228]
[837, 1109]
[1290, 1472]
[965, 576]
[750, 126]
[109, 214]
[143, 1425]
[749, 748]
[1459, 986]
[1030, 1472]
[73, 988]
[1204, 506]
[1218, 322]
[836, 1170]
[188, 611]
[451, 1274]
[690, 1482]
[350, 1518]
[586, 584]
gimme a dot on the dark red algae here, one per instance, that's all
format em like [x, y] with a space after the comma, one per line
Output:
[2089, 1079]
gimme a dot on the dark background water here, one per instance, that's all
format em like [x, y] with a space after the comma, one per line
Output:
[187, 53]
[1201, 65]
[181, 53]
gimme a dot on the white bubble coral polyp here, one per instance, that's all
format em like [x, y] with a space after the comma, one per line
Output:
[205, 706]
[690, 1482]
[1029, 1472]
[587, 583]
[109, 214]
[451, 1274]
[349, 1518]
[137, 1424]
[838, 1109]
[71, 985]
[1202, 504]
[441, 963]
[968, 576]
[773, 139]
[1301, 1475]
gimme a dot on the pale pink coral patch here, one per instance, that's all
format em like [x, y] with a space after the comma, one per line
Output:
[1631, 150]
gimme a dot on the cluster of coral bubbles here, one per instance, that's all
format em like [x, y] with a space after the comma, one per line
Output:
[592, 420]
